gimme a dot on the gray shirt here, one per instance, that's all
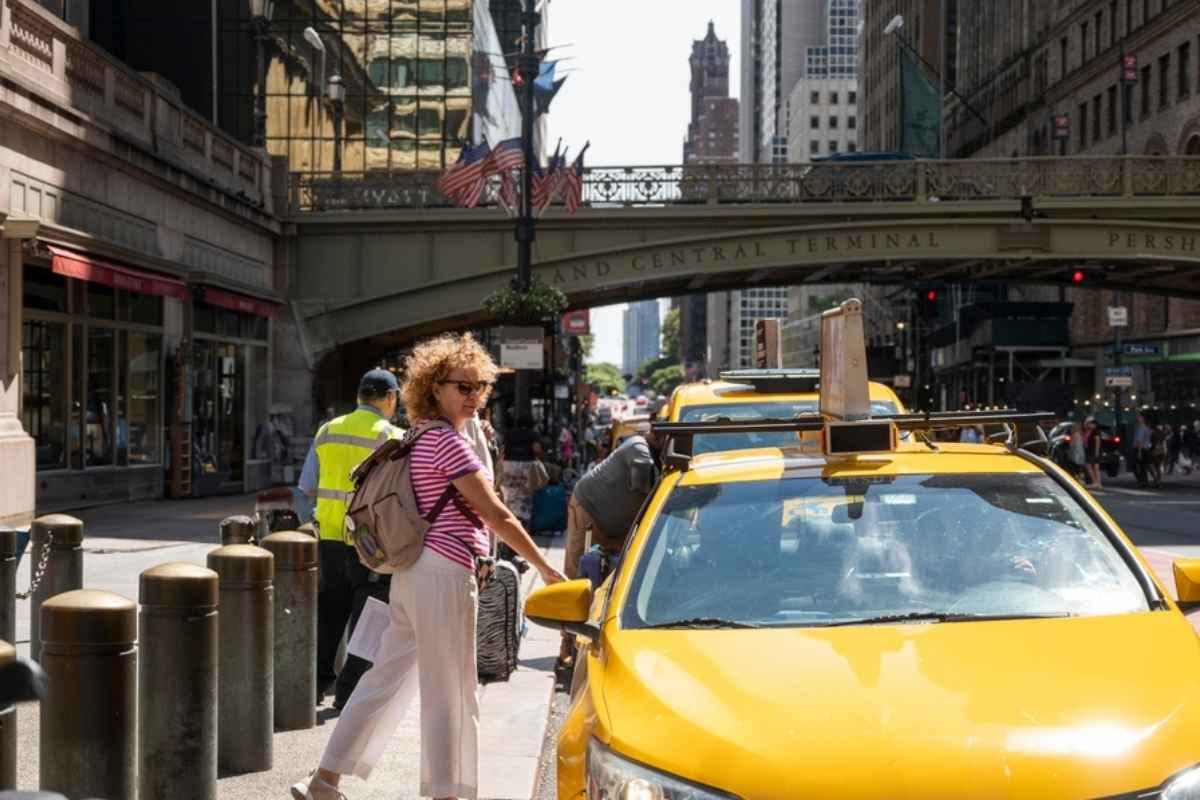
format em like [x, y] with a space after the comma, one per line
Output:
[604, 490]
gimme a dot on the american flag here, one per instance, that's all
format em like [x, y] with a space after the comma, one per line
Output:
[572, 182]
[508, 190]
[547, 185]
[506, 156]
[463, 180]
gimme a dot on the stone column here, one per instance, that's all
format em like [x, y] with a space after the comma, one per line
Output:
[16, 447]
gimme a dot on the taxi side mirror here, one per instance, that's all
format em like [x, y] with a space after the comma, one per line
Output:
[565, 606]
[641, 475]
[1187, 579]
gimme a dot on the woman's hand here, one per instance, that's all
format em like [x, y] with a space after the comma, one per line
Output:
[550, 575]
[482, 497]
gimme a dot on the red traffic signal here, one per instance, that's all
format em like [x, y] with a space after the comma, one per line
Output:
[931, 296]
[1078, 276]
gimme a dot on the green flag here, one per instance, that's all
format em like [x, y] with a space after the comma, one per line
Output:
[920, 109]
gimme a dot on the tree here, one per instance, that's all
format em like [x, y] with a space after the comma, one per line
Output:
[586, 342]
[666, 379]
[605, 378]
[672, 343]
[653, 365]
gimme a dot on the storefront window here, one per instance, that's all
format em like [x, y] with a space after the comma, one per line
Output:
[144, 309]
[43, 406]
[44, 290]
[99, 433]
[101, 301]
[74, 437]
[218, 411]
[139, 425]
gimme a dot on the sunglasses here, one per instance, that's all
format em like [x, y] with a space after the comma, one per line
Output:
[468, 388]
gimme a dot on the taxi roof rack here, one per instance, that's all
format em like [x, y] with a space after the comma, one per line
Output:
[678, 451]
[774, 380]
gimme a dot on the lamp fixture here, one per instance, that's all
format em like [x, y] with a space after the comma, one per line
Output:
[262, 9]
[896, 23]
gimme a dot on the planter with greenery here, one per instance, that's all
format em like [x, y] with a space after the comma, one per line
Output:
[512, 307]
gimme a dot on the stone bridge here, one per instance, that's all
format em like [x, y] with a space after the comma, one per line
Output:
[405, 263]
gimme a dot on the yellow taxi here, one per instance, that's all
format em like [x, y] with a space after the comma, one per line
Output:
[860, 614]
[757, 394]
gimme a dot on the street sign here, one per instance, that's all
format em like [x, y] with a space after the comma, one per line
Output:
[522, 348]
[902, 381]
[1062, 127]
[576, 323]
[1118, 317]
[1118, 377]
[1129, 69]
[1139, 349]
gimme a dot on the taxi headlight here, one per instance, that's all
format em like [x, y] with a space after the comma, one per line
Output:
[1184, 786]
[611, 777]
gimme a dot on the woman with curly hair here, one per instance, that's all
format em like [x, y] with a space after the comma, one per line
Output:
[433, 602]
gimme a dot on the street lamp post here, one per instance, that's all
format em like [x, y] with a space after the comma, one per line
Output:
[337, 100]
[261, 12]
[528, 67]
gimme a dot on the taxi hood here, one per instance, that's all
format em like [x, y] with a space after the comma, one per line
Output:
[1074, 707]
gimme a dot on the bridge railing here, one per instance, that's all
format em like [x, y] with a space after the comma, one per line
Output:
[869, 182]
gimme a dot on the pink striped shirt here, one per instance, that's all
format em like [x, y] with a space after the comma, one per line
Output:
[439, 457]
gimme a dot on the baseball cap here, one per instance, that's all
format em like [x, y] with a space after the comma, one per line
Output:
[378, 382]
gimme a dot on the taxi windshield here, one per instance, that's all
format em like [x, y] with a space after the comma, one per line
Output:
[830, 551]
[756, 410]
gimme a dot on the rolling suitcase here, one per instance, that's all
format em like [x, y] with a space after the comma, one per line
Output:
[498, 625]
[549, 509]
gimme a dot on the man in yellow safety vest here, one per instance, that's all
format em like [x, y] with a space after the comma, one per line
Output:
[345, 584]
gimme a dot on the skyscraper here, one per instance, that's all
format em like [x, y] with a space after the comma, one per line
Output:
[641, 335]
[712, 135]
[823, 103]
[712, 138]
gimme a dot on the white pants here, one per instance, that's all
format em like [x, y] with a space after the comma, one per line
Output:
[431, 635]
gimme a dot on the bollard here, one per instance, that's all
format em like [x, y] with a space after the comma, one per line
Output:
[246, 641]
[8, 729]
[88, 736]
[8, 584]
[295, 628]
[238, 529]
[63, 567]
[177, 683]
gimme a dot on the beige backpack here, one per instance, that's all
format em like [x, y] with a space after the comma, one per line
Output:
[382, 519]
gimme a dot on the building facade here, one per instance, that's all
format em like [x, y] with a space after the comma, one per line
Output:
[642, 330]
[1022, 66]
[148, 292]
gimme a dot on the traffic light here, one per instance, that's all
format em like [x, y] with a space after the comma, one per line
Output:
[1078, 276]
[927, 301]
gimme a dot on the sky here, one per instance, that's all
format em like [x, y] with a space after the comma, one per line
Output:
[628, 90]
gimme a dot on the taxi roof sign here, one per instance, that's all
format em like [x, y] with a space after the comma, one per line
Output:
[845, 391]
[774, 380]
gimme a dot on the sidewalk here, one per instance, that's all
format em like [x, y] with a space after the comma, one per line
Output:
[122, 541]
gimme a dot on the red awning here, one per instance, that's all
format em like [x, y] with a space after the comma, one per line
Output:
[86, 268]
[239, 302]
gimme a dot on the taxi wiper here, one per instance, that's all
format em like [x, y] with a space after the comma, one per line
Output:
[942, 616]
[703, 622]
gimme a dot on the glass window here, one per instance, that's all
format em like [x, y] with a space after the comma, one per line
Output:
[1164, 72]
[74, 438]
[43, 387]
[204, 317]
[145, 309]
[814, 98]
[140, 423]
[100, 411]
[44, 290]
[253, 327]
[101, 301]
[760, 410]
[843, 551]
[814, 123]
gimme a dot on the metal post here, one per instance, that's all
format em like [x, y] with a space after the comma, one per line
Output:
[337, 139]
[62, 537]
[295, 628]
[177, 738]
[8, 584]
[238, 529]
[88, 735]
[246, 637]
[8, 729]
[1117, 363]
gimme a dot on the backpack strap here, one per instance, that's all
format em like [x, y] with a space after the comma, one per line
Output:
[452, 495]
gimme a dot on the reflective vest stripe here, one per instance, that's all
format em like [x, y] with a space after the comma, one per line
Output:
[334, 494]
[354, 441]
